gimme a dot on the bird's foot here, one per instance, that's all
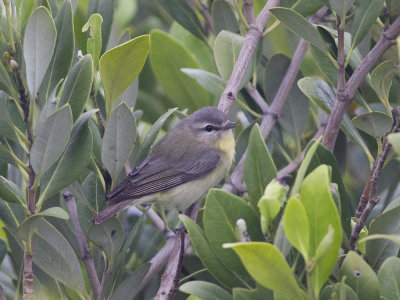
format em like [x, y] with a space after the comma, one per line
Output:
[180, 229]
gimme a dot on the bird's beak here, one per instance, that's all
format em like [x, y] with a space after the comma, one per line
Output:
[230, 125]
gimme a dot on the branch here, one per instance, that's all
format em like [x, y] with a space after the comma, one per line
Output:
[251, 40]
[385, 42]
[249, 11]
[82, 243]
[253, 92]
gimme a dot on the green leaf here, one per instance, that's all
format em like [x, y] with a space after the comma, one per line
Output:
[259, 168]
[109, 235]
[203, 251]
[205, 290]
[93, 44]
[150, 138]
[322, 213]
[130, 286]
[11, 215]
[210, 81]
[118, 140]
[338, 291]
[341, 7]
[222, 210]
[78, 85]
[24, 10]
[366, 14]
[268, 267]
[63, 52]
[51, 140]
[26, 229]
[297, 228]
[227, 47]
[3, 249]
[55, 256]
[375, 123]
[39, 41]
[381, 81]
[244, 294]
[104, 8]
[299, 25]
[322, 95]
[167, 58]
[389, 279]
[120, 66]
[223, 17]
[10, 192]
[74, 159]
[325, 244]
[184, 15]
[394, 139]
[360, 277]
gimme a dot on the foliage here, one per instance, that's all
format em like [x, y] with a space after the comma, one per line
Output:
[88, 86]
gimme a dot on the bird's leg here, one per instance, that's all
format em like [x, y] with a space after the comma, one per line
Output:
[167, 231]
[182, 227]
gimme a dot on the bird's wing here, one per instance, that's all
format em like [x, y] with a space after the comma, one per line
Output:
[158, 174]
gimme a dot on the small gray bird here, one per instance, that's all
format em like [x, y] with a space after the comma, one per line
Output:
[183, 165]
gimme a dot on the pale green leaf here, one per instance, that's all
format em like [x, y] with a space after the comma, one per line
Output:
[93, 44]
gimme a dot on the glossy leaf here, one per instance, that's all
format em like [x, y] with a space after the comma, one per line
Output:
[93, 44]
[167, 58]
[74, 159]
[109, 235]
[394, 139]
[118, 140]
[360, 277]
[51, 140]
[10, 192]
[205, 290]
[381, 80]
[39, 41]
[63, 52]
[203, 251]
[78, 85]
[259, 168]
[389, 278]
[120, 66]
[299, 25]
[268, 267]
[297, 227]
[365, 17]
[222, 210]
[223, 17]
[315, 194]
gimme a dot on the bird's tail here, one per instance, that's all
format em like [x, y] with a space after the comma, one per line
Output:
[110, 211]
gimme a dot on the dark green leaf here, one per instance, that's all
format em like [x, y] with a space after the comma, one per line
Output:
[375, 123]
[381, 81]
[389, 278]
[394, 139]
[10, 192]
[341, 7]
[205, 290]
[11, 214]
[223, 17]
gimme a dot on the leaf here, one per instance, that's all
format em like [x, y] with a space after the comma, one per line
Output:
[222, 210]
[55, 256]
[118, 140]
[389, 278]
[223, 17]
[150, 137]
[93, 44]
[184, 15]
[297, 228]
[259, 168]
[338, 291]
[315, 194]
[39, 41]
[366, 14]
[74, 159]
[299, 25]
[244, 294]
[26, 229]
[381, 81]
[375, 123]
[51, 140]
[227, 47]
[203, 251]
[268, 267]
[325, 244]
[394, 139]
[322, 95]
[24, 10]
[78, 85]
[205, 290]
[108, 235]
[11, 215]
[3, 249]
[341, 7]
[167, 58]
[104, 8]
[10, 192]
[130, 286]
[360, 277]
[120, 66]
[63, 52]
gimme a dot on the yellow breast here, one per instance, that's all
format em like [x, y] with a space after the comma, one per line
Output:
[227, 144]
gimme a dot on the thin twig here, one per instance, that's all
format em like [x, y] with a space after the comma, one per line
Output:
[249, 11]
[103, 281]
[84, 250]
[255, 94]
[385, 42]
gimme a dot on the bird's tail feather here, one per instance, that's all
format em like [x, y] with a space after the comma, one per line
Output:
[110, 211]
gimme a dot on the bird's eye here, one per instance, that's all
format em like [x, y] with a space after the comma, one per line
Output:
[209, 128]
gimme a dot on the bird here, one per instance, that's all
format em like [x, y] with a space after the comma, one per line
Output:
[183, 165]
